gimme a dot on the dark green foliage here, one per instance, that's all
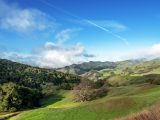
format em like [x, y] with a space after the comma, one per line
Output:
[28, 83]
[32, 77]
[67, 86]
[151, 78]
[48, 89]
[15, 97]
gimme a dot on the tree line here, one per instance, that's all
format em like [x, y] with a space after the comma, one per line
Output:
[22, 86]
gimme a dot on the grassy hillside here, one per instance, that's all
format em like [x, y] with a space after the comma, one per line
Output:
[120, 101]
[22, 86]
[152, 113]
[86, 67]
[92, 75]
[135, 67]
[133, 86]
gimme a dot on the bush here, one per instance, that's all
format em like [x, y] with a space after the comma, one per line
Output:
[87, 91]
[153, 78]
[150, 78]
[14, 97]
[48, 89]
[66, 86]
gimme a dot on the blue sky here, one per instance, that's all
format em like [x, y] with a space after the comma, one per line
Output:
[55, 33]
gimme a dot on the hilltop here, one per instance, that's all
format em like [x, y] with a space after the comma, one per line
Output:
[133, 86]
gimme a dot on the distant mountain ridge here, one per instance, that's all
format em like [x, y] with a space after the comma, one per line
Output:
[87, 66]
[95, 65]
[118, 73]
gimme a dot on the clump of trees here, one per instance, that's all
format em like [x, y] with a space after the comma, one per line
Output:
[34, 77]
[14, 97]
[150, 78]
[22, 86]
[48, 89]
[88, 90]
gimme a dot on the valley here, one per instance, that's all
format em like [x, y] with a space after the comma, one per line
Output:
[132, 88]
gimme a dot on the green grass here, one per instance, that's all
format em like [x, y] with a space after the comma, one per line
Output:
[119, 102]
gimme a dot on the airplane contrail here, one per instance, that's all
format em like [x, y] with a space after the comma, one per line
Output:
[109, 31]
[87, 21]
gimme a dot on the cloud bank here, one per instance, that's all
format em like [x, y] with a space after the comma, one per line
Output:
[147, 53]
[52, 54]
[55, 55]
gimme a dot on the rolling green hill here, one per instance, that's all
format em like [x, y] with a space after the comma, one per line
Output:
[141, 67]
[133, 86]
[137, 67]
[86, 67]
[22, 86]
[119, 102]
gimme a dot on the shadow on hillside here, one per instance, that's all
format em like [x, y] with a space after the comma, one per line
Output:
[51, 100]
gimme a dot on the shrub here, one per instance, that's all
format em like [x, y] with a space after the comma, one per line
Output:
[150, 78]
[87, 91]
[48, 89]
[66, 86]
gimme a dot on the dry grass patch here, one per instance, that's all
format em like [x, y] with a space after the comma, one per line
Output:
[151, 114]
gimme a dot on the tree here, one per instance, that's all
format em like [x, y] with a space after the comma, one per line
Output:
[33, 77]
[21, 86]
[48, 89]
[87, 90]
[16, 97]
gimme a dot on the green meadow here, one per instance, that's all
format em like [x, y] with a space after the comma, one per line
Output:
[119, 102]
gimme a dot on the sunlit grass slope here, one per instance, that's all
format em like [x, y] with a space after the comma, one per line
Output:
[119, 102]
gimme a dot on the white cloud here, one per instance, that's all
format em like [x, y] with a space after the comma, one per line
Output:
[52, 55]
[148, 53]
[64, 35]
[12, 17]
